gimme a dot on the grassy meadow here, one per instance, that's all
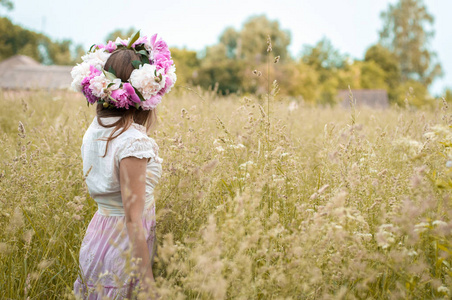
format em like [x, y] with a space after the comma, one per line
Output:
[298, 203]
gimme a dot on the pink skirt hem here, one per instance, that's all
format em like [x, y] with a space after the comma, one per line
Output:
[105, 257]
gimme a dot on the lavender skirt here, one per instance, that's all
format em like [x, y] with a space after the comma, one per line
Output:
[105, 257]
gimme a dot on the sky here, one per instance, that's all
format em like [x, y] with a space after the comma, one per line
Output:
[351, 25]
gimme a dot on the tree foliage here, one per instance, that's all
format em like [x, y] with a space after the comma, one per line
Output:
[406, 32]
[400, 63]
[121, 33]
[16, 40]
[388, 63]
[250, 44]
[330, 65]
[187, 63]
[229, 64]
[8, 4]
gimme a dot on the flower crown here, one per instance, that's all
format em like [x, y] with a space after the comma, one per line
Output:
[154, 74]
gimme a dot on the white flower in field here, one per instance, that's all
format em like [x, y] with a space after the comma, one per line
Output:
[438, 131]
[217, 142]
[421, 227]
[439, 223]
[284, 154]
[220, 149]
[384, 236]
[238, 146]
[242, 178]
[293, 105]
[364, 236]
[443, 289]
[412, 253]
[449, 164]
[414, 147]
[249, 165]
[430, 135]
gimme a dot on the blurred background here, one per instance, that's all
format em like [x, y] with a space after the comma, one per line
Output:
[388, 52]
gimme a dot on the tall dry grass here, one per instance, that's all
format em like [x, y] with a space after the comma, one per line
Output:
[306, 203]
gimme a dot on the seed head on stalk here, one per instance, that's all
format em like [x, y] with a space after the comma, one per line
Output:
[269, 44]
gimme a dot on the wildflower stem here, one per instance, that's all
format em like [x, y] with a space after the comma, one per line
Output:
[268, 100]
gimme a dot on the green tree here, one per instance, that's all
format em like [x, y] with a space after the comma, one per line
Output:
[8, 4]
[59, 52]
[250, 43]
[16, 40]
[448, 95]
[323, 56]
[230, 38]
[388, 62]
[406, 32]
[121, 33]
[327, 62]
[187, 63]
[299, 79]
[412, 93]
[372, 76]
[217, 69]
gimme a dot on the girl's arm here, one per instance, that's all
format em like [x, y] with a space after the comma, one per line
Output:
[132, 177]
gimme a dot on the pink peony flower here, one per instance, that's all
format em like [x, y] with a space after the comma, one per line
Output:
[161, 62]
[110, 47]
[88, 94]
[86, 83]
[131, 92]
[122, 98]
[160, 47]
[141, 40]
[94, 71]
[151, 103]
[168, 85]
[120, 41]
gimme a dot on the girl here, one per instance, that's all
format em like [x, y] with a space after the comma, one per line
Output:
[127, 80]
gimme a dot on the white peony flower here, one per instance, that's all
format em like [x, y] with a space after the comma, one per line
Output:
[116, 85]
[98, 85]
[145, 80]
[97, 58]
[78, 73]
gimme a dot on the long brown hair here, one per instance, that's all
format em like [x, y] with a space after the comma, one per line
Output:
[121, 62]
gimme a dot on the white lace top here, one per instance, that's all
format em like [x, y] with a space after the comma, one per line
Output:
[102, 173]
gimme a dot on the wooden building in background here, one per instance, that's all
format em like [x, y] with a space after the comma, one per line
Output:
[21, 72]
[369, 98]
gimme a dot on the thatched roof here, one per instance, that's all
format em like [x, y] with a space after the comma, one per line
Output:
[22, 72]
[370, 98]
